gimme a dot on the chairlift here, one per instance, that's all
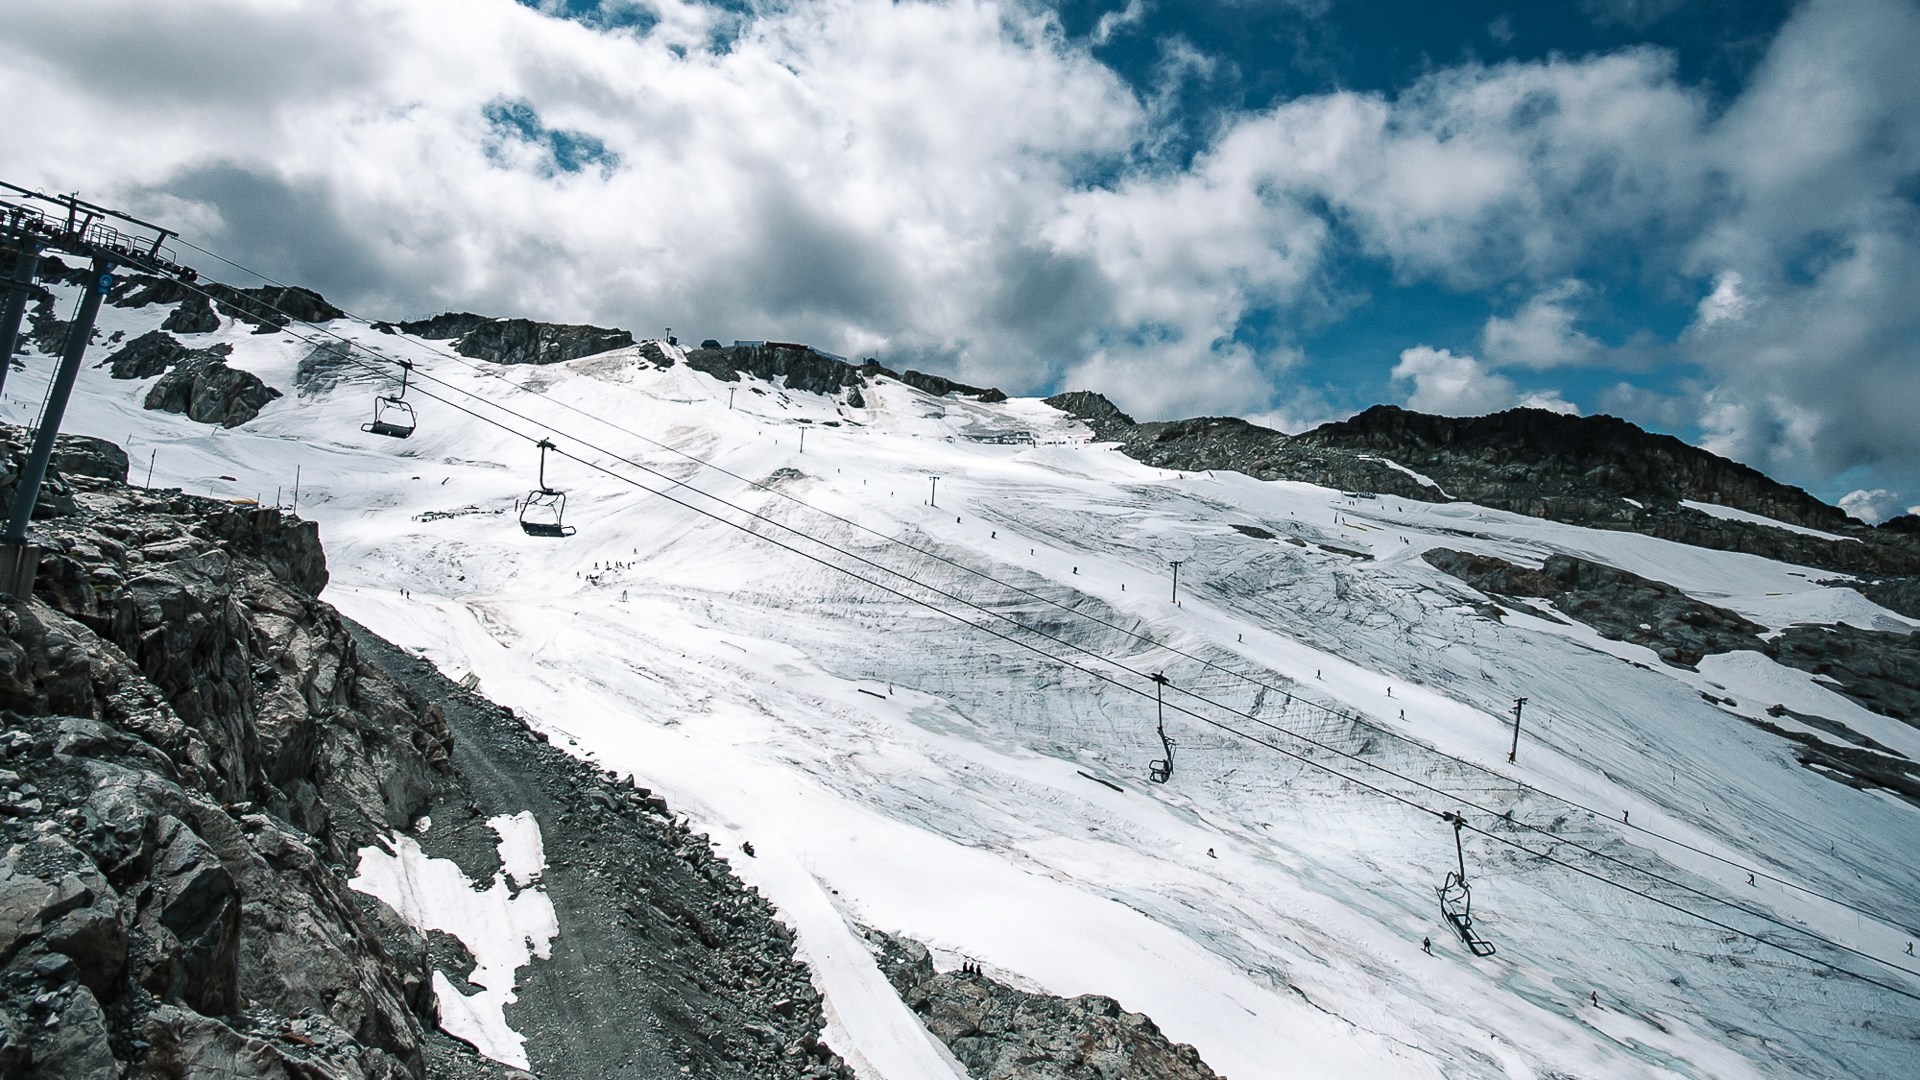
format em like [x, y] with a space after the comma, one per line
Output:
[393, 416]
[1161, 770]
[544, 511]
[1456, 896]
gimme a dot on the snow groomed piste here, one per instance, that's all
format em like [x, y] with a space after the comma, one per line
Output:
[933, 711]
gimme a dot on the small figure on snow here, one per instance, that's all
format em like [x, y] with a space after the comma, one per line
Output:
[747, 847]
[1211, 855]
[1594, 996]
[1426, 945]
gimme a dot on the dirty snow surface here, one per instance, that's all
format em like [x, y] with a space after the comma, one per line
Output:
[505, 925]
[937, 719]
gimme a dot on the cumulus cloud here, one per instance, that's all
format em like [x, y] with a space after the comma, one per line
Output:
[1813, 373]
[1726, 301]
[960, 186]
[1873, 507]
[1541, 334]
[1112, 22]
[1451, 384]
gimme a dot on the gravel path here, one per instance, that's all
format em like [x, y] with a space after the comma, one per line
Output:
[665, 965]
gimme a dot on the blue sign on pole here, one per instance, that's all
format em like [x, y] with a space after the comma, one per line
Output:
[104, 285]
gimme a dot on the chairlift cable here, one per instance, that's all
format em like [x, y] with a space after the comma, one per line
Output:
[1251, 680]
[1117, 664]
[1130, 687]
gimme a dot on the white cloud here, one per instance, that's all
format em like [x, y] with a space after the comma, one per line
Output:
[1305, 409]
[1725, 302]
[959, 186]
[1452, 384]
[1479, 173]
[1872, 507]
[1541, 334]
[1113, 22]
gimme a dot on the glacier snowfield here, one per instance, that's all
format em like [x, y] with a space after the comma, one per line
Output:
[926, 705]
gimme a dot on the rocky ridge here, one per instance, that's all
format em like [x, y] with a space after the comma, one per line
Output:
[1597, 471]
[803, 368]
[267, 308]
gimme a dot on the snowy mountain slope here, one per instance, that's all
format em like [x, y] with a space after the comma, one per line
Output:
[893, 767]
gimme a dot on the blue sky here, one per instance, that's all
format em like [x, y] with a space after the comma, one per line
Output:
[1700, 216]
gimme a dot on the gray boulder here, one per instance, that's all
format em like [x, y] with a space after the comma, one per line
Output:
[998, 1031]
[209, 392]
[193, 316]
[150, 354]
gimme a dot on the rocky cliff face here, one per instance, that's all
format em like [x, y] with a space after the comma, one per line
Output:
[192, 749]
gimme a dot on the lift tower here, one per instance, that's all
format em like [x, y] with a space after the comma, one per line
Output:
[30, 224]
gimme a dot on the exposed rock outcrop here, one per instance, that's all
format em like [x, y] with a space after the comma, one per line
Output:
[1568, 467]
[663, 959]
[1000, 1033]
[807, 369]
[939, 385]
[72, 455]
[515, 341]
[193, 316]
[801, 368]
[1620, 605]
[202, 386]
[268, 308]
[1880, 670]
[1103, 416]
[150, 354]
[1864, 765]
[196, 382]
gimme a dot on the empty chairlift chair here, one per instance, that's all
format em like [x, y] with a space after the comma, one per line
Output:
[393, 416]
[545, 509]
[1161, 770]
[1456, 897]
